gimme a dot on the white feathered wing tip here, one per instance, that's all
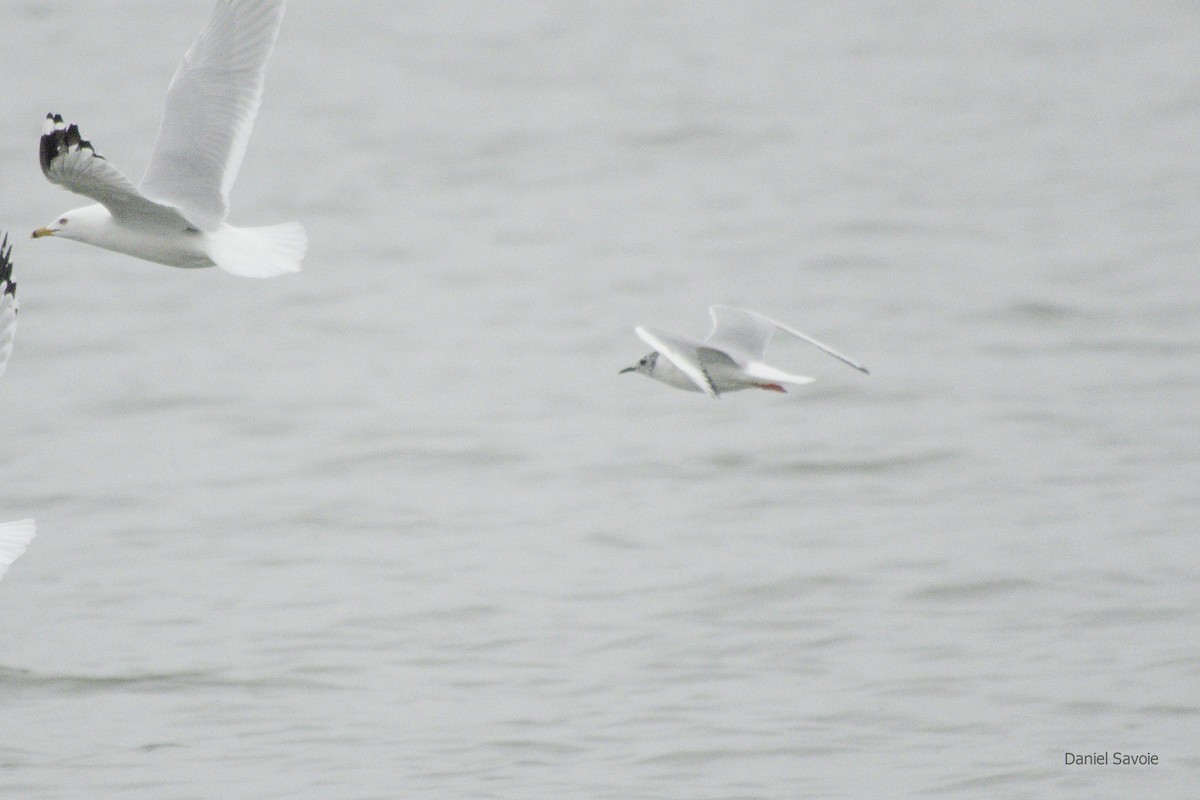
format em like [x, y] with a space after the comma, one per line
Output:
[258, 252]
[14, 538]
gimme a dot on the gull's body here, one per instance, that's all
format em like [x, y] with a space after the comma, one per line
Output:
[177, 215]
[729, 359]
[14, 536]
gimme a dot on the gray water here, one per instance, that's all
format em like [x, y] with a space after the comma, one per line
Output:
[394, 527]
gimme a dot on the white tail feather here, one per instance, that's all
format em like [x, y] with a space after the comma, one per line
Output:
[757, 369]
[258, 252]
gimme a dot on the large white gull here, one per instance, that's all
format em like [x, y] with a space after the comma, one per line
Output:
[177, 215]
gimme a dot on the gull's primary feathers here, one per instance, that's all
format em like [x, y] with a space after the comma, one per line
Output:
[729, 359]
[14, 538]
[177, 215]
[8, 303]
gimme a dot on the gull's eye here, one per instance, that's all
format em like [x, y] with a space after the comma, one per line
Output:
[62, 221]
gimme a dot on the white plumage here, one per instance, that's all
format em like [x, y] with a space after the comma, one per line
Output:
[14, 538]
[177, 215]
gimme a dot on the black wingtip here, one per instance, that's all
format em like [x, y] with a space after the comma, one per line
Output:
[6, 281]
[53, 137]
[59, 138]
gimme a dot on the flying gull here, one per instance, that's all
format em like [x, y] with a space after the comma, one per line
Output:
[177, 215]
[728, 360]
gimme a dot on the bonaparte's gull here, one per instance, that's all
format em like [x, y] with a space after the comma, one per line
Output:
[177, 215]
[731, 358]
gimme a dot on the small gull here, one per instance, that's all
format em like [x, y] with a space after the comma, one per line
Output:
[14, 536]
[730, 359]
[177, 215]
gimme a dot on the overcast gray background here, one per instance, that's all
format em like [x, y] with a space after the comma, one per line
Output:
[394, 527]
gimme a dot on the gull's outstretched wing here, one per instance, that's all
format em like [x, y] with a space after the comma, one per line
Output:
[740, 331]
[14, 538]
[822, 346]
[8, 303]
[750, 332]
[683, 353]
[69, 161]
[210, 110]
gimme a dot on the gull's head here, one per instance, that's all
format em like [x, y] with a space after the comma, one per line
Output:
[645, 366]
[80, 224]
[53, 228]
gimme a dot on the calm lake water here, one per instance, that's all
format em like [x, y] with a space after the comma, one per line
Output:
[394, 527]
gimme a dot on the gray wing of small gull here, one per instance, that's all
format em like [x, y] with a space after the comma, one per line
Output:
[683, 353]
[210, 110]
[14, 539]
[740, 329]
[8, 303]
[68, 160]
[712, 357]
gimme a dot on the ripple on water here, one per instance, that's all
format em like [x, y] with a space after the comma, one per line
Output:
[980, 589]
[14, 679]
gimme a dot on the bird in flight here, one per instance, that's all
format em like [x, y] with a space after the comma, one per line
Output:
[728, 360]
[177, 215]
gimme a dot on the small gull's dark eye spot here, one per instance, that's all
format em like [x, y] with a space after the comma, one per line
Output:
[62, 221]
